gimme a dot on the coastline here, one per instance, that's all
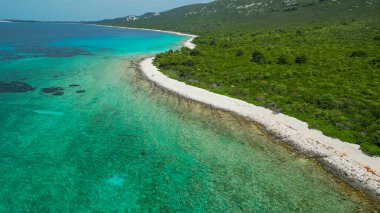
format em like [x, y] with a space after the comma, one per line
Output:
[343, 159]
[188, 43]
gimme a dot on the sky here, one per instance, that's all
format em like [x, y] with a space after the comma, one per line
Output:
[84, 10]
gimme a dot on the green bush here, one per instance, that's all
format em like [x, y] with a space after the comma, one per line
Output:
[239, 53]
[358, 53]
[299, 33]
[258, 57]
[188, 63]
[225, 45]
[375, 62]
[195, 52]
[184, 73]
[302, 59]
[282, 60]
[370, 148]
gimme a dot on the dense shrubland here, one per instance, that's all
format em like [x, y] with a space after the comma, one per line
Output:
[326, 76]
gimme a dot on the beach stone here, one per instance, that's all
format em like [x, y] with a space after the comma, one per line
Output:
[15, 87]
[81, 91]
[52, 89]
[58, 93]
[74, 85]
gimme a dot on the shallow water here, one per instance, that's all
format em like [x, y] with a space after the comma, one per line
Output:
[125, 145]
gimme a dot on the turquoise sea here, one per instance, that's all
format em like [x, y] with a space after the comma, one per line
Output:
[80, 131]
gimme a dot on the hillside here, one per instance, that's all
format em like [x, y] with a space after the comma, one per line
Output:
[318, 61]
[251, 15]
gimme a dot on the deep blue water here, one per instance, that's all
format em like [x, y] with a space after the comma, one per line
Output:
[30, 40]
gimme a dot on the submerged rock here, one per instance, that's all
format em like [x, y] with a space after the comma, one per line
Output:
[58, 93]
[81, 91]
[52, 89]
[15, 87]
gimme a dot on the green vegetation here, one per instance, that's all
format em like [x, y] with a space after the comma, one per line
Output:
[225, 16]
[370, 148]
[316, 60]
[324, 76]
